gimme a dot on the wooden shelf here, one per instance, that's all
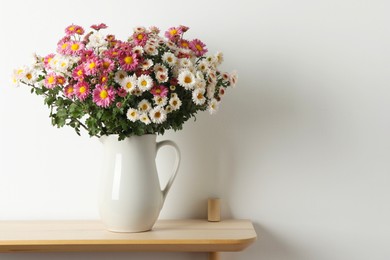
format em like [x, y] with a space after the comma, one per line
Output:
[91, 236]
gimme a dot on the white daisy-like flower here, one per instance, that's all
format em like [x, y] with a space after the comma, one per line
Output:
[162, 77]
[198, 96]
[174, 95]
[168, 109]
[17, 75]
[203, 66]
[213, 106]
[211, 90]
[138, 50]
[171, 45]
[212, 60]
[139, 29]
[160, 68]
[146, 64]
[29, 76]
[132, 114]
[185, 63]
[175, 103]
[219, 57]
[96, 40]
[144, 118]
[129, 83]
[144, 82]
[160, 101]
[186, 79]
[225, 77]
[169, 58]
[62, 64]
[144, 106]
[151, 49]
[119, 76]
[233, 78]
[158, 115]
[200, 83]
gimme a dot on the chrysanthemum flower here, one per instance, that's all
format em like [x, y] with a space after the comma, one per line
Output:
[175, 103]
[78, 73]
[69, 91]
[138, 50]
[122, 92]
[128, 61]
[233, 78]
[203, 66]
[173, 33]
[154, 29]
[162, 77]
[50, 80]
[146, 64]
[108, 65]
[198, 47]
[213, 106]
[139, 29]
[63, 45]
[226, 77]
[96, 40]
[98, 27]
[119, 76]
[144, 82]
[28, 76]
[144, 118]
[132, 114]
[144, 106]
[129, 83]
[151, 49]
[210, 90]
[103, 95]
[160, 100]
[158, 115]
[198, 96]
[47, 60]
[169, 58]
[91, 66]
[186, 79]
[160, 90]
[61, 80]
[82, 90]
[140, 38]
[219, 56]
[75, 47]
[183, 44]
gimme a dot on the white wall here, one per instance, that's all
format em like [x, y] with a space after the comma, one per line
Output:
[301, 146]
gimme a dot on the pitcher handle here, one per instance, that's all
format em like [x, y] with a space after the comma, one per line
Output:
[175, 168]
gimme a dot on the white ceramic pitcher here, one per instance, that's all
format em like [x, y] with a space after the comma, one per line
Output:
[130, 197]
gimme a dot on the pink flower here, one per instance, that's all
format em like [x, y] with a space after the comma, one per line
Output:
[50, 80]
[184, 44]
[108, 65]
[82, 90]
[75, 48]
[60, 80]
[198, 47]
[122, 92]
[184, 28]
[140, 38]
[69, 91]
[47, 60]
[74, 29]
[173, 33]
[128, 61]
[160, 90]
[91, 66]
[79, 72]
[86, 55]
[63, 45]
[103, 96]
[97, 27]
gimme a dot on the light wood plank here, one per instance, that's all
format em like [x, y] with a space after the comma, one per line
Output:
[166, 236]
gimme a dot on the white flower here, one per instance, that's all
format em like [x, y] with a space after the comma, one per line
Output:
[198, 96]
[160, 68]
[138, 50]
[212, 60]
[212, 75]
[160, 101]
[211, 90]
[203, 66]
[168, 109]
[145, 82]
[213, 106]
[18, 75]
[144, 106]
[226, 77]
[132, 114]
[162, 77]
[129, 83]
[146, 64]
[185, 62]
[144, 118]
[186, 79]
[29, 76]
[96, 40]
[200, 83]
[151, 49]
[158, 115]
[175, 102]
[119, 76]
[139, 29]
[62, 63]
[233, 78]
[169, 58]
[219, 57]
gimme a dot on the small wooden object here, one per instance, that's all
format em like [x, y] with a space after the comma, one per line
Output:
[214, 210]
[214, 215]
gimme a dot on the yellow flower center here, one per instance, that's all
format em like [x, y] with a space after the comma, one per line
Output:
[103, 94]
[184, 44]
[60, 80]
[199, 47]
[51, 80]
[174, 102]
[104, 79]
[70, 90]
[157, 114]
[92, 65]
[80, 72]
[63, 46]
[20, 71]
[144, 83]
[140, 36]
[82, 89]
[106, 64]
[187, 79]
[128, 59]
[144, 107]
[199, 96]
[71, 28]
[173, 32]
[75, 46]
[129, 85]
[79, 31]
[28, 75]
[169, 59]
[133, 114]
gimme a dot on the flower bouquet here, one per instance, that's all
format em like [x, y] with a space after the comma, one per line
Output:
[144, 85]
